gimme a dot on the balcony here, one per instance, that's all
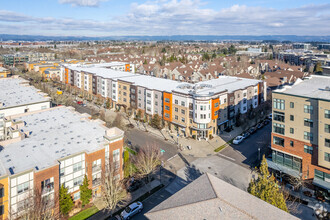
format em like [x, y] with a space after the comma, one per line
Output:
[96, 168]
[47, 188]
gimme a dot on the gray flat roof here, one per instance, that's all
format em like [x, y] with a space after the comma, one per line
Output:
[315, 86]
[220, 84]
[54, 134]
[17, 91]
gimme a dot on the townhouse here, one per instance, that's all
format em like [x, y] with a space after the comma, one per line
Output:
[4, 73]
[17, 97]
[55, 147]
[301, 131]
[189, 109]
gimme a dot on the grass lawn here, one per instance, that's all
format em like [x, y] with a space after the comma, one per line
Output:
[85, 213]
[220, 148]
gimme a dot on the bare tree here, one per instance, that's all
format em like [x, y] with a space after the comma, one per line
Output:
[38, 207]
[112, 189]
[147, 160]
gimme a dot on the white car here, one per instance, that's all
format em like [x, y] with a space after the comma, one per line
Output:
[238, 139]
[131, 210]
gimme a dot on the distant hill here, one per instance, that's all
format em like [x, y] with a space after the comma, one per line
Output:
[293, 38]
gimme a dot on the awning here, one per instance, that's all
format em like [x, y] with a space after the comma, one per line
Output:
[222, 122]
[283, 169]
[200, 129]
[321, 183]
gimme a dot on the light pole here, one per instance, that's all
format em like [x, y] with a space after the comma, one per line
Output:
[259, 153]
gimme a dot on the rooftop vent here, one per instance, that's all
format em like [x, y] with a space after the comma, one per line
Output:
[327, 88]
[11, 170]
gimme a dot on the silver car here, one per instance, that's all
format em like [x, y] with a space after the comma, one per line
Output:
[131, 210]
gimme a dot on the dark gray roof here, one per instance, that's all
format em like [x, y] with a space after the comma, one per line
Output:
[209, 197]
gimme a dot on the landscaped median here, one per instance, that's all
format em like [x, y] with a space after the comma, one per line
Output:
[85, 213]
[223, 146]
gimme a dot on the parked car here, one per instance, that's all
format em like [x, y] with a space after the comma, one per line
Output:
[270, 116]
[246, 134]
[131, 210]
[79, 102]
[266, 122]
[260, 125]
[252, 130]
[238, 140]
[134, 186]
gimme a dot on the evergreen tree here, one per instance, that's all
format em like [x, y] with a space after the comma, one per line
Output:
[126, 164]
[66, 203]
[266, 188]
[85, 192]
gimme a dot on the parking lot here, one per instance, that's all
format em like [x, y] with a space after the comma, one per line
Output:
[247, 152]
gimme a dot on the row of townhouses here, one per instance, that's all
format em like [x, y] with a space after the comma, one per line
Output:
[199, 110]
[43, 148]
[301, 132]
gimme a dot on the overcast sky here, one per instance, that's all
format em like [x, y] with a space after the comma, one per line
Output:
[164, 17]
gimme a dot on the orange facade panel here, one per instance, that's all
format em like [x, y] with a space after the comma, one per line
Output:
[127, 68]
[66, 75]
[215, 108]
[167, 106]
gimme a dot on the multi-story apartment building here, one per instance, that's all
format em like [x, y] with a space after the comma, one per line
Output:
[190, 109]
[301, 130]
[17, 97]
[15, 59]
[55, 147]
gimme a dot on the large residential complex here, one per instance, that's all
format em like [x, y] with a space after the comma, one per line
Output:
[20, 58]
[17, 97]
[301, 130]
[200, 110]
[53, 147]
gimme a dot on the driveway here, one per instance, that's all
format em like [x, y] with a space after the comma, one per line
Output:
[246, 153]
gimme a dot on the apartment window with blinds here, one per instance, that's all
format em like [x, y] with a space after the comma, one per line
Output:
[167, 115]
[327, 128]
[308, 122]
[278, 128]
[327, 142]
[321, 175]
[176, 109]
[308, 149]
[167, 100]
[327, 156]
[278, 141]
[22, 187]
[308, 109]
[167, 107]
[326, 113]
[278, 116]
[116, 155]
[279, 104]
[176, 101]
[291, 118]
[291, 131]
[308, 136]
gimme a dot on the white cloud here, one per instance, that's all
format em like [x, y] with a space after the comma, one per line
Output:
[180, 17]
[87, 3]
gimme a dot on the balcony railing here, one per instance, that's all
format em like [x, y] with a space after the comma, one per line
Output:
[47, 188]
[96, 168]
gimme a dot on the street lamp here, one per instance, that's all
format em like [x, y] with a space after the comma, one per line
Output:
[160, 171]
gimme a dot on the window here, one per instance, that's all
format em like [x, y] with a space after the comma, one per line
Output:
[327, 142]
[291, 143]
[148, 102]
[244, 94]
[22, 187]
[291, 105]
[308, 149]
[176, 101]
[116, 155]
[183, 119]
[167, 100]
[216, 104]
[183, 103]
[308, 136]
[308, 109]
[327, 128]
[156, 96]
[77, 166]
[176, 117]
[327, 156]
[167, 107]
[47, 185]
[156, 103]
[148, 95]
[321, 175]
[244, 101]
[124, 99]
[176, 109]
[1, 210]
[124, 87]
[183, 111]
[278, 128]
[327, 113]
[308, 122]
[77, 181]
[278, 104]
[278, 141]
[124, 93]
[2, 193]
[291, 118]
[286, 160]
[62, 172]
[76, 196]
[278, 116]
[167, 115]
[231, 99]
[291, 131]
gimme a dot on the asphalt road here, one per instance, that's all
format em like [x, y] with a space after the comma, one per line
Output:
[141, 138]
[246, 153]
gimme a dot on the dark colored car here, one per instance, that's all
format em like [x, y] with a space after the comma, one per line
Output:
[246, 134]
[134, 186]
